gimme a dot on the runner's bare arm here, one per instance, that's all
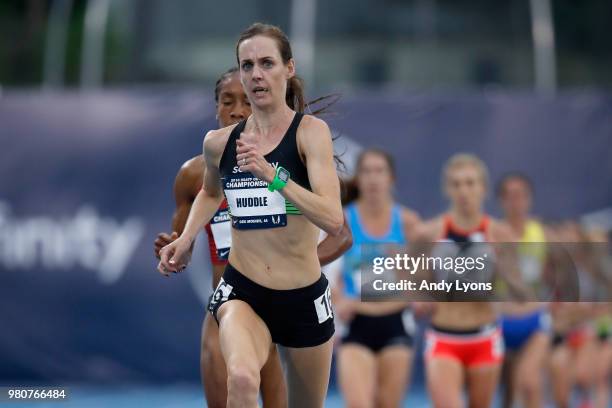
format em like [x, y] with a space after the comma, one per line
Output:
[321, 206]
[410, 223]
[423, 236]
[332, 247]
[507, 264]
[210, 196]
[186, 184]
[175, 256]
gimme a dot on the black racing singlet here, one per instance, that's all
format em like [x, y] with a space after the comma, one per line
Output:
[251, 205]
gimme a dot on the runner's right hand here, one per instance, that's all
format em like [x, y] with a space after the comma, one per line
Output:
[175, 256]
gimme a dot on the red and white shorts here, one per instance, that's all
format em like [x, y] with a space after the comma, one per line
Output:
[484, 346]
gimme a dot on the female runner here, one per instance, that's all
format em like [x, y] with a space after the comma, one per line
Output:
[526, 326]
[232, 106]
[464, 345]
[376, 352]
[277, 171]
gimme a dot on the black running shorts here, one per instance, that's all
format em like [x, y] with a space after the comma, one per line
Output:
[299, 317]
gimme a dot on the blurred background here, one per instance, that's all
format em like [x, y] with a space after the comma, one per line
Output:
[340, 45]
[101, 101]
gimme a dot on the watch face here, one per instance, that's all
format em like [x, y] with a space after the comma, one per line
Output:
[283, 175]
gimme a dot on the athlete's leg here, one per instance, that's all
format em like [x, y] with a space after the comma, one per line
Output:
[394, 365]
[212, 365]
[273, 389]
[604, 365]
[508, 379]
[308, 374]
[561, 375]
[586, 359]
[482, 381]
[357, 375]
[445, 382]
[245, 343]
[528, 375]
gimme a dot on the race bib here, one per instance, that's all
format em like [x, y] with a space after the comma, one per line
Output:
[323, 306]
[221, 232]
[251, 205]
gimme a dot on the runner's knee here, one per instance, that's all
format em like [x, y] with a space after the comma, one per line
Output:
[243, 378]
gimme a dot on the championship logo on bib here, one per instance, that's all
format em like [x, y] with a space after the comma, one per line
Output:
[251, 205]
[222, 234]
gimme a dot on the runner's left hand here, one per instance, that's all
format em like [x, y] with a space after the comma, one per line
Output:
[255, 162]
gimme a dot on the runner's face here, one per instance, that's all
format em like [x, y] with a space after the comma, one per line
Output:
[262, 71]
[465, 188]
[374, 178]
[516, 198]
[233, 105]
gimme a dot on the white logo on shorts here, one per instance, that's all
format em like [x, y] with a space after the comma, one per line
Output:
[430, 344]
[222, 292]
[497, 345]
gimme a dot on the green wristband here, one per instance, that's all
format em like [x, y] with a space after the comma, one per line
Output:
[280, 179]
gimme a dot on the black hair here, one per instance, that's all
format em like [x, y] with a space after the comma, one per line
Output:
[514, 175]
[226, 75]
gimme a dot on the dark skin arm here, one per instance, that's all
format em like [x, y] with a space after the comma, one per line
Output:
[332, 247]
[186, 185]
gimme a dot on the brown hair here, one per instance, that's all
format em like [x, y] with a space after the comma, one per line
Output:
[349, 189]
[500, 189]
[295, 85]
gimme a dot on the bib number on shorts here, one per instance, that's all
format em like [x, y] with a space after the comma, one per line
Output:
[251, 205]
[323, 306]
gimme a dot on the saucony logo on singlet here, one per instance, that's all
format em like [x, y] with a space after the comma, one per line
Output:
[236, 169]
